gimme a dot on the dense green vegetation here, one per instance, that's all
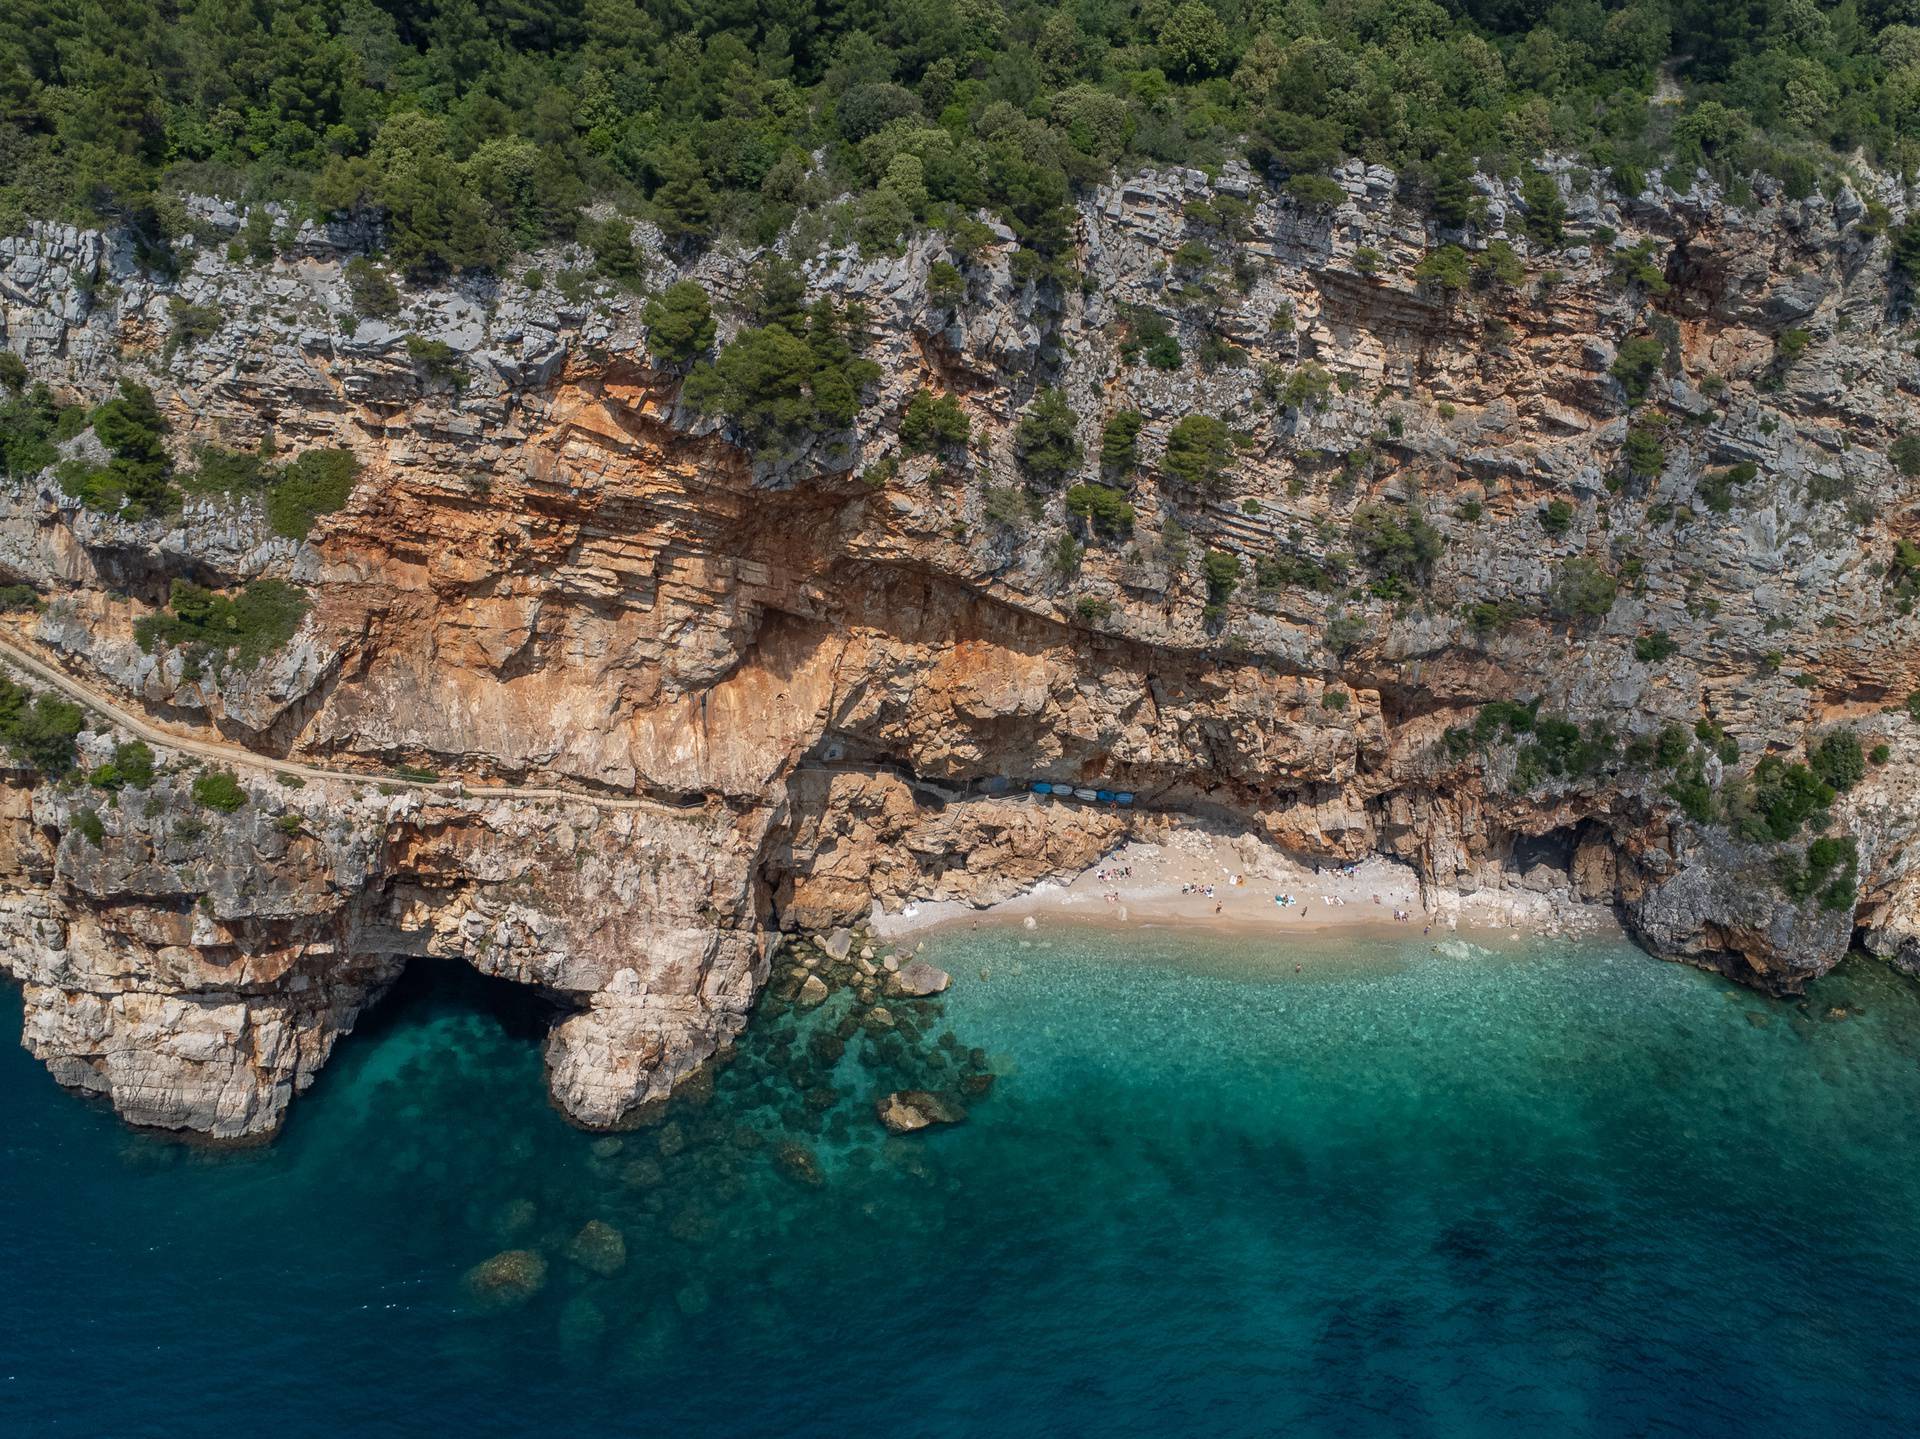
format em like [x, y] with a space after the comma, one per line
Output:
[1119, 444]
[479, 129]
[30, 426]
[38, 730]
[1199, 451]
[934, 422]
[1045, 441]
[1581, 590]
[296, 494]
[130, 768]
[90, 827]
[1398, 547]
[137, 480]
[788, 382]
[680, 323]
[1104, 507]
[246, 627]
[219, 789]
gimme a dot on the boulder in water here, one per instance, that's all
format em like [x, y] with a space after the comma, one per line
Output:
[599, 1247]
[813, 992]
[838, 944]
[906, 1111]
[918, 978]
[512, 1276]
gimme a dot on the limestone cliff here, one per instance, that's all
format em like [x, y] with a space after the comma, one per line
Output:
[720, 692]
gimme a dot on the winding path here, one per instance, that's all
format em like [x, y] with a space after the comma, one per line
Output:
[15, 652]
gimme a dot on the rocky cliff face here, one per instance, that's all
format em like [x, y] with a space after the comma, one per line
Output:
[720, 693]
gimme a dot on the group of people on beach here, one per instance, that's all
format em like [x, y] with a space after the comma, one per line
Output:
[1119, 871]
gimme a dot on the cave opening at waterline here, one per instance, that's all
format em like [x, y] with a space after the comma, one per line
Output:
[428, 987]
[442, 1043]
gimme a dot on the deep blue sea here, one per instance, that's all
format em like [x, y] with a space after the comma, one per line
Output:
[1551, 1190]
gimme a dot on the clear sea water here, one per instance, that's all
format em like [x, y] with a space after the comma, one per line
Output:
[1557, 1189]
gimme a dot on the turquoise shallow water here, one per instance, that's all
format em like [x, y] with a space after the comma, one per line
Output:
[1559, 1189]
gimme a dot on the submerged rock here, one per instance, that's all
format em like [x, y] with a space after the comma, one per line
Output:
[696, 1090]
[511, 1277]
[599, 1247]
[826, 1049]
[582, 1327]
[515, 1216]
[693, 1225]
[907, 1110]
[813, 992]
[821, 1098]
[800, 1164]
[642, 1173]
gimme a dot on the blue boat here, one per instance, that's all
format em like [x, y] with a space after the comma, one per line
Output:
[1040, 786]
[1124, 797]
[1105, 796]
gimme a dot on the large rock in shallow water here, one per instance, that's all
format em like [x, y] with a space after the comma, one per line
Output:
[921, 979]
[907, 1110]
[510, 1277]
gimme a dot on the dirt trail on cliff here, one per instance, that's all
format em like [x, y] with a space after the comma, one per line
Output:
[13, 651]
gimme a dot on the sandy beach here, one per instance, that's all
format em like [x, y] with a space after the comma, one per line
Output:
[1199, 879]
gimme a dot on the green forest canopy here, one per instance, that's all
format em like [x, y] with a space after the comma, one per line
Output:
[483, 127]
